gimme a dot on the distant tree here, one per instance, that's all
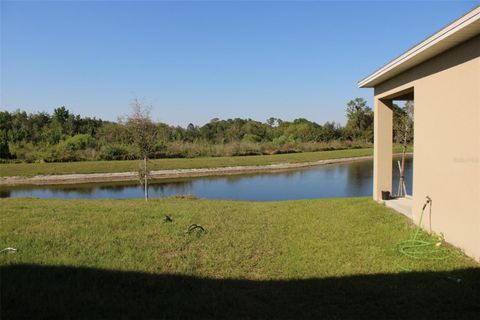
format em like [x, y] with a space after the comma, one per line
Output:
[144, 133]
[271, 121]
[191, 133]
[235, 131]
[359, 120]
[61, 115]
[4, 149]
[5, 123]
[330, 131]
[54, 133]
[403, 123]
[38, 124]
[19, 126]
[5, 127]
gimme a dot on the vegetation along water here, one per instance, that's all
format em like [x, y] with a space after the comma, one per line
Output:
[64, 136]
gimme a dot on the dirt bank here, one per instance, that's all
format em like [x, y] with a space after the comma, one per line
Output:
[164, 174]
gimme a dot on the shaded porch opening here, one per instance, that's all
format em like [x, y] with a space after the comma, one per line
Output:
[394, 134]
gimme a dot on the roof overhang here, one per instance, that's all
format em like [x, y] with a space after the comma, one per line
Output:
[462, 29]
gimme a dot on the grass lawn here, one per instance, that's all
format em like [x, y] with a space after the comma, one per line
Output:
[332, 258]
[31, 169]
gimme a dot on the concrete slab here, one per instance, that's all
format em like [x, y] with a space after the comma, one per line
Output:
[401, 205]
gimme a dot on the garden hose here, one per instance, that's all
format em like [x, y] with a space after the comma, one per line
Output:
[423, 248]
[193, 227]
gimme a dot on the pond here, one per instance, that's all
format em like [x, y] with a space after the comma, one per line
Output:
[353, 179]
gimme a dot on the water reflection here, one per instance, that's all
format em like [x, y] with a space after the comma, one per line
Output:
[329, 181]
[5, 193]
[358, 173]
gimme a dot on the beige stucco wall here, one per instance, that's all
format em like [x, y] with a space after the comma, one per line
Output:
[447, 141]
[382, 150]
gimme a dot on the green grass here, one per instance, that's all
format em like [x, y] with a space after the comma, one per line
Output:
[31, 169]
[332, 258]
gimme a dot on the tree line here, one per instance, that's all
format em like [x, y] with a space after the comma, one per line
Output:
[64, 136]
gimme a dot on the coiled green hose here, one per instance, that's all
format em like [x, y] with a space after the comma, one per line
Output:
[427, 249]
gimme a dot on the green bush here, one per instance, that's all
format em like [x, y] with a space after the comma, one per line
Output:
[280, 141]
[251, 138]
[114, 153]
[77, 142]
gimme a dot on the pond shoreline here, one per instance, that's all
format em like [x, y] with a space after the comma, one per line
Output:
[167, 174]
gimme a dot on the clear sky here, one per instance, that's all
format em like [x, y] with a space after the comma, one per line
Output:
[197, 60]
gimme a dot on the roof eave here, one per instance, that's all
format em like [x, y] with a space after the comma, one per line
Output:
[428, 48]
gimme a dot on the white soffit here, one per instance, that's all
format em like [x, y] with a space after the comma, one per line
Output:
[455, 33]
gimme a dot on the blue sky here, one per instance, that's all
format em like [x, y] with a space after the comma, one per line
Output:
[194, 61]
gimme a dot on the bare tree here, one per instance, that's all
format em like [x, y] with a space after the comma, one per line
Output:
[144, 133]
[404, 129]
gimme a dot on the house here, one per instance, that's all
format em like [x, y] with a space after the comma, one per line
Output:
[442, 76]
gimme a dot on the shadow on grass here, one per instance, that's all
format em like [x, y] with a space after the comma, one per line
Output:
[31, 291]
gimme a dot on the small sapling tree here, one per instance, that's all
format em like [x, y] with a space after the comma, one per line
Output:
[144, 133]
[403, 128]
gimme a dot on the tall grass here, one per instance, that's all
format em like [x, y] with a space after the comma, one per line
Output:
[193, 150]
[30, 153]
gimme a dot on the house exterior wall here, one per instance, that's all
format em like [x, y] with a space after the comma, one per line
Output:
[446, 142]
[382, 149]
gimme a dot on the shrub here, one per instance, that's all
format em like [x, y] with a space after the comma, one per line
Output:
[251, 138]
[77, 142]
[114, 153]
[280, 141]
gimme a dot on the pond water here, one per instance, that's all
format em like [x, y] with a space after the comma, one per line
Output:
[353, 179]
